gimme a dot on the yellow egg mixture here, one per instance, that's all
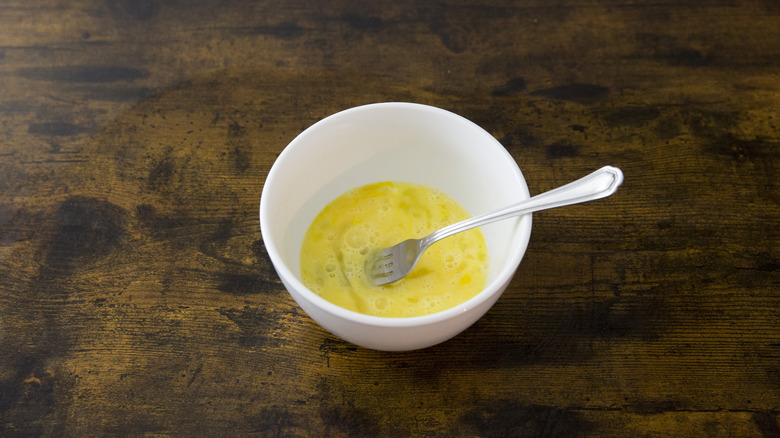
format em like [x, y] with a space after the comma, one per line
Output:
[362, 220]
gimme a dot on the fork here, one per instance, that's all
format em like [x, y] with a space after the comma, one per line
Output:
[394, 263]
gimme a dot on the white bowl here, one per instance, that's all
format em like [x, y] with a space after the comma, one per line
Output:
[393, 142]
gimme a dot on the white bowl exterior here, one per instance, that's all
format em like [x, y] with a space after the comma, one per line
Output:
[392, 142]
[399, 338]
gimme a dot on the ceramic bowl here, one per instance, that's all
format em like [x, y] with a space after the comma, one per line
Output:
[393, 142]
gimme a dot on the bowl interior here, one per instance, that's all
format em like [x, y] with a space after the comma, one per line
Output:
[393, 142]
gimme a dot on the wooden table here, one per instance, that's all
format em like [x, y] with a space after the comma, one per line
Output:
[136, 297]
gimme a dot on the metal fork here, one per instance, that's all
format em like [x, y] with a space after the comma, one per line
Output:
[394, 263]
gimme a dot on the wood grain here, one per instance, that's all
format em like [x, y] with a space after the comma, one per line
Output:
[136, 297]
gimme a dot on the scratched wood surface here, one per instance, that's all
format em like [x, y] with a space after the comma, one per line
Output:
[136, 297]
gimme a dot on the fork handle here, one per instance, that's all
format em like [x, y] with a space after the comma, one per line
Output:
[597, 185]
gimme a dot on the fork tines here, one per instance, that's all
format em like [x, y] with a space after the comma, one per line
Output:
[380, 266]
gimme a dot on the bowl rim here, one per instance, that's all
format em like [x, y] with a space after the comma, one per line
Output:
[286, 274]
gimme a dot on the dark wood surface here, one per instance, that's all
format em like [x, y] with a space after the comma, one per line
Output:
[136, 298]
